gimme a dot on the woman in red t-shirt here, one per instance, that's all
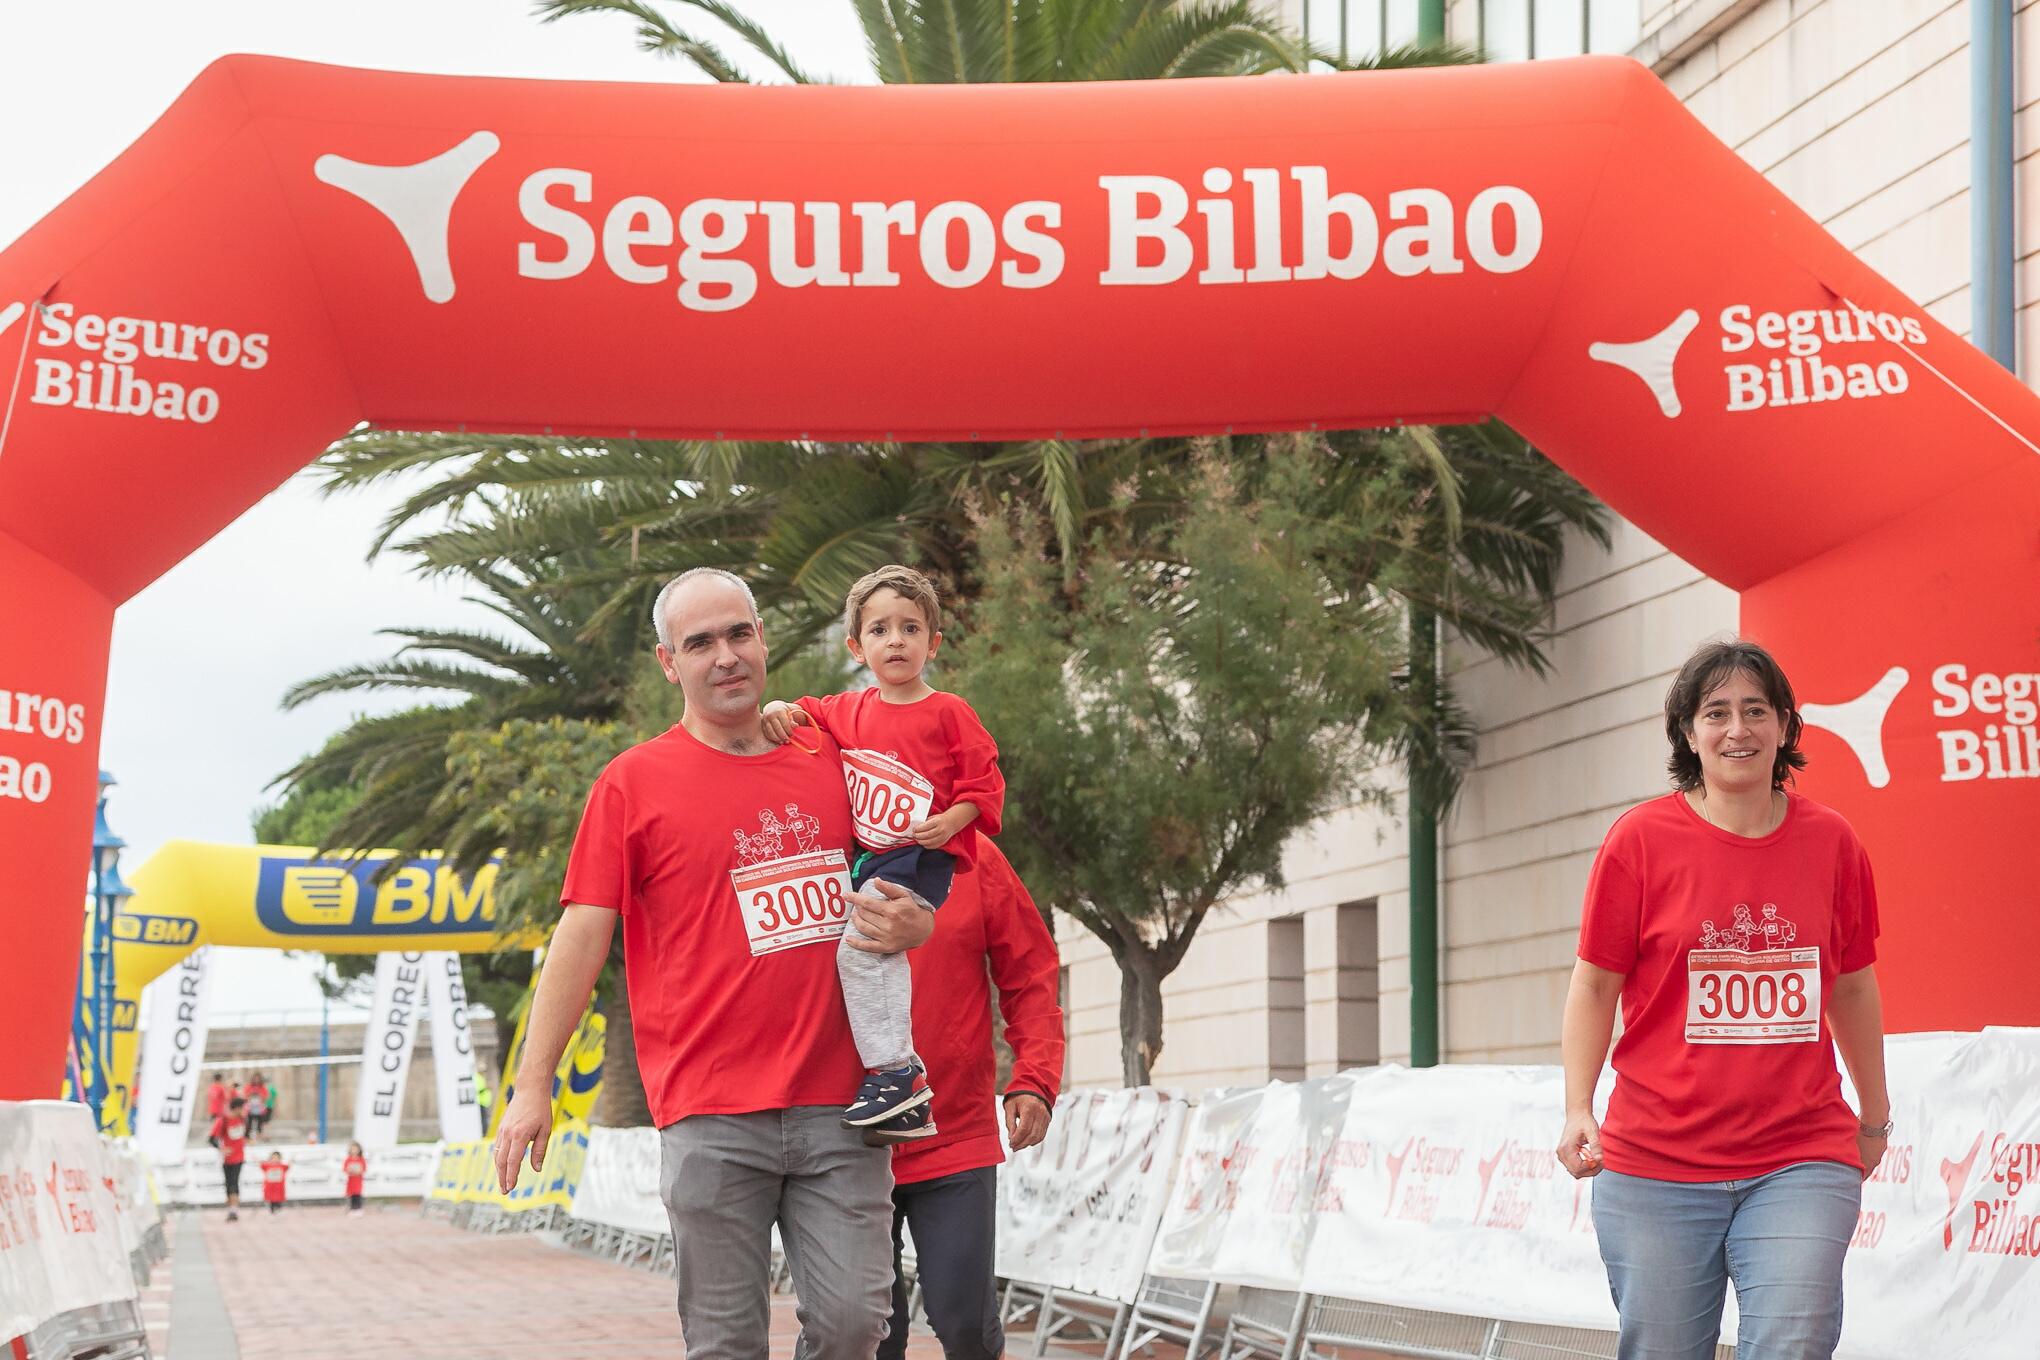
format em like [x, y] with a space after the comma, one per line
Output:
[355, 1167]
[1736, 923]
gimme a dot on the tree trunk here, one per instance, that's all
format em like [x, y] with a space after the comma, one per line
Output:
[622, 1103]
[1140, 1013]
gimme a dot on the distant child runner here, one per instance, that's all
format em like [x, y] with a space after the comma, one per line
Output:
[274, 1169]
[355, 1167]
[261, 1105]
[230, 1136]
[924, 783]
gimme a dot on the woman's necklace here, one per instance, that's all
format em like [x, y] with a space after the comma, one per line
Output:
[1777, 814]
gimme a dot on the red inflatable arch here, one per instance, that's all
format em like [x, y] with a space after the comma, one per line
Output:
[295, 248]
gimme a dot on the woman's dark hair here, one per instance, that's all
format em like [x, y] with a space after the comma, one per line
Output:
[1708, 668]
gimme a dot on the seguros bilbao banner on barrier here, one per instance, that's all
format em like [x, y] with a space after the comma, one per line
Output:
[65, 1230]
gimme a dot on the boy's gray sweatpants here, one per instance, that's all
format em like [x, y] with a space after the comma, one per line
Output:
[878, 992]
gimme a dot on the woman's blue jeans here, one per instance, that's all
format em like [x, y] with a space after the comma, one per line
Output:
[1672, 1248]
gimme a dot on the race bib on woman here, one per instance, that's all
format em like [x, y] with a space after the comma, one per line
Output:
[1762, 996]
[887, 798]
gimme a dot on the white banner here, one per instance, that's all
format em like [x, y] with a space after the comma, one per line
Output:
[64, 1229]
[173, 1056]
[620, 1181]
[1079, 1210]
[316, 1173]
[1442, 1192]
[1246, 1198]
[1946, 1257]
[386, 1048]
[453, 1049]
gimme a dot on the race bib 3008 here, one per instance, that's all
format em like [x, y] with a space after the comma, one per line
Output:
[793, 901]
[1765, 996]
[887, 797]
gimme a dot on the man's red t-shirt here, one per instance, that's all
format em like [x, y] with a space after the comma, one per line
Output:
[1731, 946]
[356, 1168]
[272, 1181]
[730, 873]
[905, 762]
[216, 1099]
[233, 1136]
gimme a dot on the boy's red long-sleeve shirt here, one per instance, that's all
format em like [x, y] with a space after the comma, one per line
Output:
[948, 757]
[988, 934]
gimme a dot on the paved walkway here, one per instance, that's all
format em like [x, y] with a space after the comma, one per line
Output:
[313, 1283]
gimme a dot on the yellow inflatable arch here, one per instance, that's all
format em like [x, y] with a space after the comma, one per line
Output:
[188, 895]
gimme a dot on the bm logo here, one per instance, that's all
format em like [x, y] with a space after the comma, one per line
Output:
[326, 897]
[137, 928]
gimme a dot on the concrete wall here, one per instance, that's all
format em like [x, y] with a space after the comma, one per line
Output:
[1858, 109]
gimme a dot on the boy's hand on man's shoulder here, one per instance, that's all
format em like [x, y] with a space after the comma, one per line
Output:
[779, 718]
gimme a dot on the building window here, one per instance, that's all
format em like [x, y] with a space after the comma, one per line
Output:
[1357, 998]
[1285, 999]
[1359, 28]
[1522, 30]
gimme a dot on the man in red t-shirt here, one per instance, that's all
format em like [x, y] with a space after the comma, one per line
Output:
[946, 1194]
[726, 859]
[230, 1136]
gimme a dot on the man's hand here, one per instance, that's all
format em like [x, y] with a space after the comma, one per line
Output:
[527, 1124]
[779, 718]
[1026, 1120]
[890, 918]
[938, 830]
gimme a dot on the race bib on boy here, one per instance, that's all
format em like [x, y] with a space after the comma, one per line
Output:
[887, 798]
[1763, 996]
[793, 901]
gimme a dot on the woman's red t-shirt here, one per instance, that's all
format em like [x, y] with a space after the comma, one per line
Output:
[1730, 947]
[356, 1168]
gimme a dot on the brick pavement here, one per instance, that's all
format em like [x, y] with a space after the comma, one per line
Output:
[312, 1283]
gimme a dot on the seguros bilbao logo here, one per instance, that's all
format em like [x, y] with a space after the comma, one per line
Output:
[299, 896]
[1988, 723]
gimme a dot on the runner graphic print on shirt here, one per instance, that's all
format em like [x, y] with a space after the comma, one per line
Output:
[1746, 985]
[789, 891]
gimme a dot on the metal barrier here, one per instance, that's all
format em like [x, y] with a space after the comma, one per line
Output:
[1061, 1309]
[1169, 1309]
[106, 1331]
[1265, 1324]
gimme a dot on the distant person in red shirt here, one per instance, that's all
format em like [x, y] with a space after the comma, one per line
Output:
[274, 1169]
[230, 1136]
[261, 1104]
[216, 1096]
[946, 1189]
[726, 858]
[1728, 1146]
[924, 784]
[355, 1168]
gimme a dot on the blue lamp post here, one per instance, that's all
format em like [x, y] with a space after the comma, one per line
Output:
[107, 894]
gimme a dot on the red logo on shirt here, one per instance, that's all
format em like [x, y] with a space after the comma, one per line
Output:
[800, 833]
[1748, 933]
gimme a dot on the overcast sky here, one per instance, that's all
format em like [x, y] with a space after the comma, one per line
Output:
[193, 730]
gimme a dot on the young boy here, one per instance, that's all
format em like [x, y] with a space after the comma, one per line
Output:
[230, 1136]
[924, 784]
[274, 1169]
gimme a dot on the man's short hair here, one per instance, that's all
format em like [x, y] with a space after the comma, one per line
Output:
[664, 633]
[905, 582]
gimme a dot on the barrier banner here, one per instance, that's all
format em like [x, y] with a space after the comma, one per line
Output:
[173, 1054]
[620, 1181]
[63, 1240]
[386, 1048]
[1079, 1210]
[1244, 1213]
[401, 1172]
[1946, 1256]
[453, 1049]
[465, 1173]
[1441, 1191]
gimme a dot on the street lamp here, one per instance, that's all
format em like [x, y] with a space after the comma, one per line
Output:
[107, 894]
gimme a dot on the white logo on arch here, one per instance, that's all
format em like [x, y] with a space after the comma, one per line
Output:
[417, 199]
[1652, 359]
[1860, 723]
[10, 314]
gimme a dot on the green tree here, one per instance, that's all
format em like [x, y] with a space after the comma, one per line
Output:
[1199, 693]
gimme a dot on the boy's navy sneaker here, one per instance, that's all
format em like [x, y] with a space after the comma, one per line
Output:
[905, 1127]
[886, 1093]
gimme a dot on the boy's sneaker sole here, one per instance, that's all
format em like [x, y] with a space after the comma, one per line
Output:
[910, 1104]
[880, 1136]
